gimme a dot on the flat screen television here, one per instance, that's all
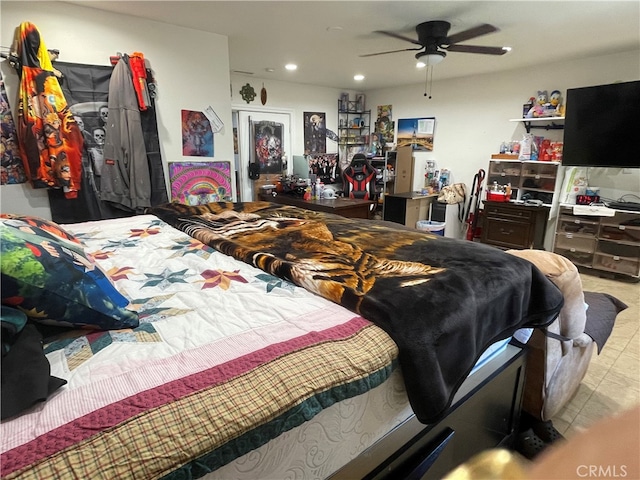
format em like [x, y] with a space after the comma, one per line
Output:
[602, 126]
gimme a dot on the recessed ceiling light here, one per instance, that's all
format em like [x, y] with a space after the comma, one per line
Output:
[291, 66]
[358, 78]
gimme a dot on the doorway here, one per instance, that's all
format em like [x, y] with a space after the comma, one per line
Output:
[247, 120]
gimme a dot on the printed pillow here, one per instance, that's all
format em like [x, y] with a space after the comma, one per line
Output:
[46, 225]
[47, 275]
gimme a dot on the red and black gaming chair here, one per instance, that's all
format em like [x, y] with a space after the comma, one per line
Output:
[360, 179]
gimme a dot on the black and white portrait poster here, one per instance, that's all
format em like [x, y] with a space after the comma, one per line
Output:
[315, 138]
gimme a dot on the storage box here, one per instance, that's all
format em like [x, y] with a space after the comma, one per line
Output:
[614, 263]
[584, 259]
[497, 197]
[573, 242]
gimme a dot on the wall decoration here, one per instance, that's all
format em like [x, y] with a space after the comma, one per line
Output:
[248, 93]
[86, 89]
[331, 135]
[268, 139]
[325, 166]
[416, 132]
[11, 167]
[384, 125]
[315, 139]
[197, 183]
[360, 103]
[197, 135]
[263, 95]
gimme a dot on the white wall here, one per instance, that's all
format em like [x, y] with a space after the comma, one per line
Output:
[294, 99]
[191, 69]
[472, 116]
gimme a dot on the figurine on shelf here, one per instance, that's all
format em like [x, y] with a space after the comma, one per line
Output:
[539, 108]
[547, 106]
[555, 100]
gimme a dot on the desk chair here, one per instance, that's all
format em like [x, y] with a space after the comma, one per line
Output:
[360, 179]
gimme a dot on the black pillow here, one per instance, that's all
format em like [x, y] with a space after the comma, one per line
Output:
[601, 316]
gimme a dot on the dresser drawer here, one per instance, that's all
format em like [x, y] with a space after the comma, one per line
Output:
[511, 213]
[617, 264]
[507, 233]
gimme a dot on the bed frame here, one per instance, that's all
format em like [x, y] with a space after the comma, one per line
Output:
[484, 414]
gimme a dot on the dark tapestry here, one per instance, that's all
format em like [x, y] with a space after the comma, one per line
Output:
[443, 301]
[86, 88]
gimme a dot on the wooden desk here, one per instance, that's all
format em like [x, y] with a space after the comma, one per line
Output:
[347, 207]
[407, 208]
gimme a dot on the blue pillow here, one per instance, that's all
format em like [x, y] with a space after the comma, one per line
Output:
[47, 274]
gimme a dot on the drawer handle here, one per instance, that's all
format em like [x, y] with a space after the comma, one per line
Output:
[621, 227]
[616, 258]
[506, 232]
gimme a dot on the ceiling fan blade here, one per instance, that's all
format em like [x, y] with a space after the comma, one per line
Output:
[476, 49]
[396, 35]
[392, 51]
[471, 33]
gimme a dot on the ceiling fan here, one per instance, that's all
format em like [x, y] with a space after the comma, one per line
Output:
[434, 41]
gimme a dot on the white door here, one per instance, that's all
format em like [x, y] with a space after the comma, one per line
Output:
[246, 154]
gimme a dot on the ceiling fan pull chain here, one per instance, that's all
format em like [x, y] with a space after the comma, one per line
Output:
[428, 81]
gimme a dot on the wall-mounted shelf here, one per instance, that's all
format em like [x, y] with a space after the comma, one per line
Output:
[548, 123]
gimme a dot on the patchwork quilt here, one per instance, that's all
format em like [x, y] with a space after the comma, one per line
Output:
[176, 396]
[443, 301]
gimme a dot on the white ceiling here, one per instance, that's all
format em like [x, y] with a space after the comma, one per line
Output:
[325, 38]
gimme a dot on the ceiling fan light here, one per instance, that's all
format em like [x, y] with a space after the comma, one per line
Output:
[431, 58]
[420, 64]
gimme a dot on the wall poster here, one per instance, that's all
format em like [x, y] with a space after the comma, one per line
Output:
[416, 132]
[197, 183]
[197, 134]
[315, 137]
[268, 138]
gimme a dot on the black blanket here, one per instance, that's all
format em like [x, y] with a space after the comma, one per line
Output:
[443, 301]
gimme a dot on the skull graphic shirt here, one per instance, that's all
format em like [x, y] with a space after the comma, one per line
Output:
[50, 140]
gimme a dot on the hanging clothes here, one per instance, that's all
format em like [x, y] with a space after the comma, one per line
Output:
[125, 177]
[49, 138]
[11, 167]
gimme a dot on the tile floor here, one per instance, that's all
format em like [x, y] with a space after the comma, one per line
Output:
[612, 382]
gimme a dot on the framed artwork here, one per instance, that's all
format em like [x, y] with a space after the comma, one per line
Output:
[315, 137]
[197, 183]
[197, 134]
[416, 132]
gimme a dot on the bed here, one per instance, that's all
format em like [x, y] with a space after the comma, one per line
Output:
[255, 340]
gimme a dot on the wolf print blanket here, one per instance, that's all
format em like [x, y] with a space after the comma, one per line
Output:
[443, 301]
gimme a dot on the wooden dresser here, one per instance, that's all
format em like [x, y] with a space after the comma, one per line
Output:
[514, 225]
